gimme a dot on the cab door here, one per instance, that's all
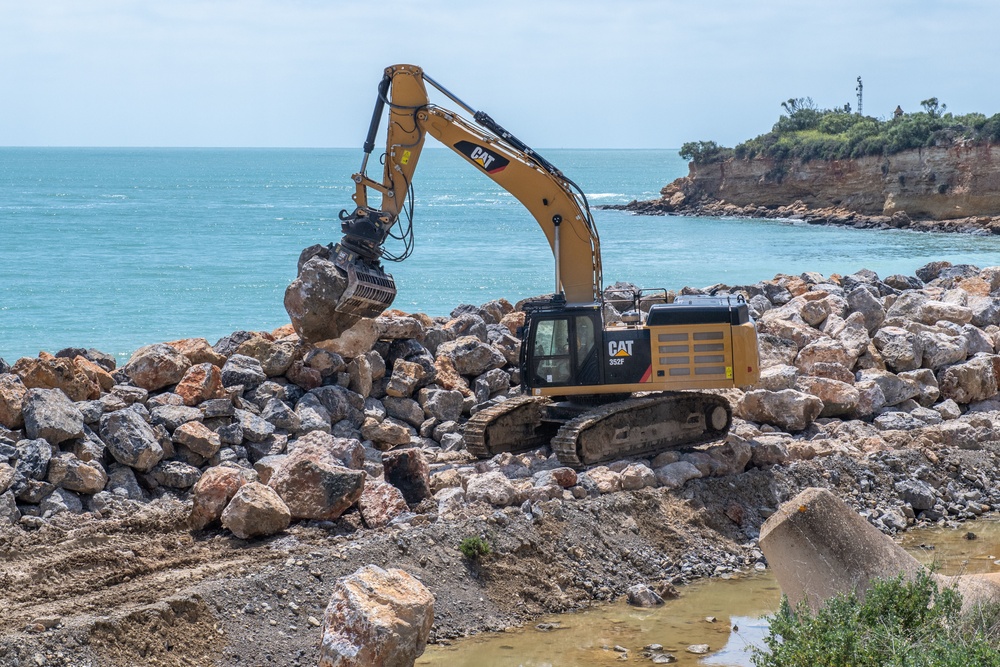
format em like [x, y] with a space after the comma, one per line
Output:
[563, 351]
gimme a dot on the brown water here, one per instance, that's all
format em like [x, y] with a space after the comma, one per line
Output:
[739, 605]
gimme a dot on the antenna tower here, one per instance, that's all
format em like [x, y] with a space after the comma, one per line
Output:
[860, 89]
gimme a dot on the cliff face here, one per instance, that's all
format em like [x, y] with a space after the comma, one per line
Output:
[930, 183]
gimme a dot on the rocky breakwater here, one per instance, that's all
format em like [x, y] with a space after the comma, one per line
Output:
[260, 430]
[931, 189]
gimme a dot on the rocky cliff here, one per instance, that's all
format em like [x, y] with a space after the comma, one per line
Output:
[939, 183]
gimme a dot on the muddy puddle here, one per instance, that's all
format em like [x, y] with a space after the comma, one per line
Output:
[726, 614]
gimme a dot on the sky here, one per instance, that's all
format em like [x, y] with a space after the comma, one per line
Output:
[558, 74]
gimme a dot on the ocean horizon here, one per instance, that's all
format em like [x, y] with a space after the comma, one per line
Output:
[115, 248]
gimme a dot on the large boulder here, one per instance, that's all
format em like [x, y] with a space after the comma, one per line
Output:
[49, 414]
[901, 349]
[201, 382]
[311, 299]
[974, 380]
[493, 488]
[376, 618]
[198, 351]
[69, 472]
[315, 488]
[131, 440]
[48, 372]
[255, 510]
[408, 471]
[895, 389]
[471, 356]
[380, 503]
[839, 398]
[789, 409]
[212, 493]
[154, 367]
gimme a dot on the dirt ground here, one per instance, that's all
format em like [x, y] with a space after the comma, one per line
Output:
[139, 586]
[136, 587]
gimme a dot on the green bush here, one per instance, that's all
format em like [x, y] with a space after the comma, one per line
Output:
[899, 624]
[474, 548]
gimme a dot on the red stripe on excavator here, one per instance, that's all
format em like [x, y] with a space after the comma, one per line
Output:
[497, 170]
[647, 375]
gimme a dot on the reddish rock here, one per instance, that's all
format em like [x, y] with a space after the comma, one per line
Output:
[380, 503]
[313, 487]
[156, 366]
[304, 376]
[212, 493]
[12, 393]
[406, 375]
[407, 470]
[198, 351]
[345, 452]
[94, 373]
[256, 510]
[48, 372]
[200, 383]
[448, 376]
[198, 438]
[376, 618]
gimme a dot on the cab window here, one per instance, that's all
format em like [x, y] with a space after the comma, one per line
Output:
[551, 353]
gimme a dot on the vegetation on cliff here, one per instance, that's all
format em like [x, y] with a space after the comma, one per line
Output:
[807, 132]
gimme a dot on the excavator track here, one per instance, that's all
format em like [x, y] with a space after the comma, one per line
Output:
[641, 426]
[513, 425]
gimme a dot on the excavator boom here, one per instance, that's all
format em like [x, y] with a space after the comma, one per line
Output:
[552, 199]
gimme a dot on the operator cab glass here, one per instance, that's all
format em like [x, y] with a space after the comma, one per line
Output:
[563, 351]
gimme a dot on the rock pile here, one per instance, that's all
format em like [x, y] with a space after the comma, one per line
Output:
[260, 429]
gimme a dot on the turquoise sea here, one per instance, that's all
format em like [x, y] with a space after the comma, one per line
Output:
[115, 248]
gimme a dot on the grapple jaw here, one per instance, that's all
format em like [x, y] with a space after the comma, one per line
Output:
[369, 290]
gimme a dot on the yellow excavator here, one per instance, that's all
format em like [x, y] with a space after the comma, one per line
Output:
[592, 390]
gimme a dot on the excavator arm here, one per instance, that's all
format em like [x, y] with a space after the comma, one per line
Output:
[556, 203]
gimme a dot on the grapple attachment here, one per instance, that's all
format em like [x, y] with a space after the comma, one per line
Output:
[369, 291]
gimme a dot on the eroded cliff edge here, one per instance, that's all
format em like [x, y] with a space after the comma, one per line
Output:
[953, 188]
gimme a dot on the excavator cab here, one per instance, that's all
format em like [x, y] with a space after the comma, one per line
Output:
[561, 348]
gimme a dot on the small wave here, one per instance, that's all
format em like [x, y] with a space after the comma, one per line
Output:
[114, 196]
[605, 195]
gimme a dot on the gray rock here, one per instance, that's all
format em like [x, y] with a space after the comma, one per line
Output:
[131, 440]
[898, 421]
[243, 370]
[172, 416]
[122, 482]
[676, 475]
[641, 595]
[491, 383]
[920, 495]
[281, 415]
[60, 500]
[471, 356]
[231, 434]
[789, 409]
[217, 407]
[901, 349]
[8, 509]
[442, 404]
[255, 429]
[33, 458]
[49, 414]
[404, 409]
[894, 388]
[863, 301]
[175, 474]
[312, 415]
